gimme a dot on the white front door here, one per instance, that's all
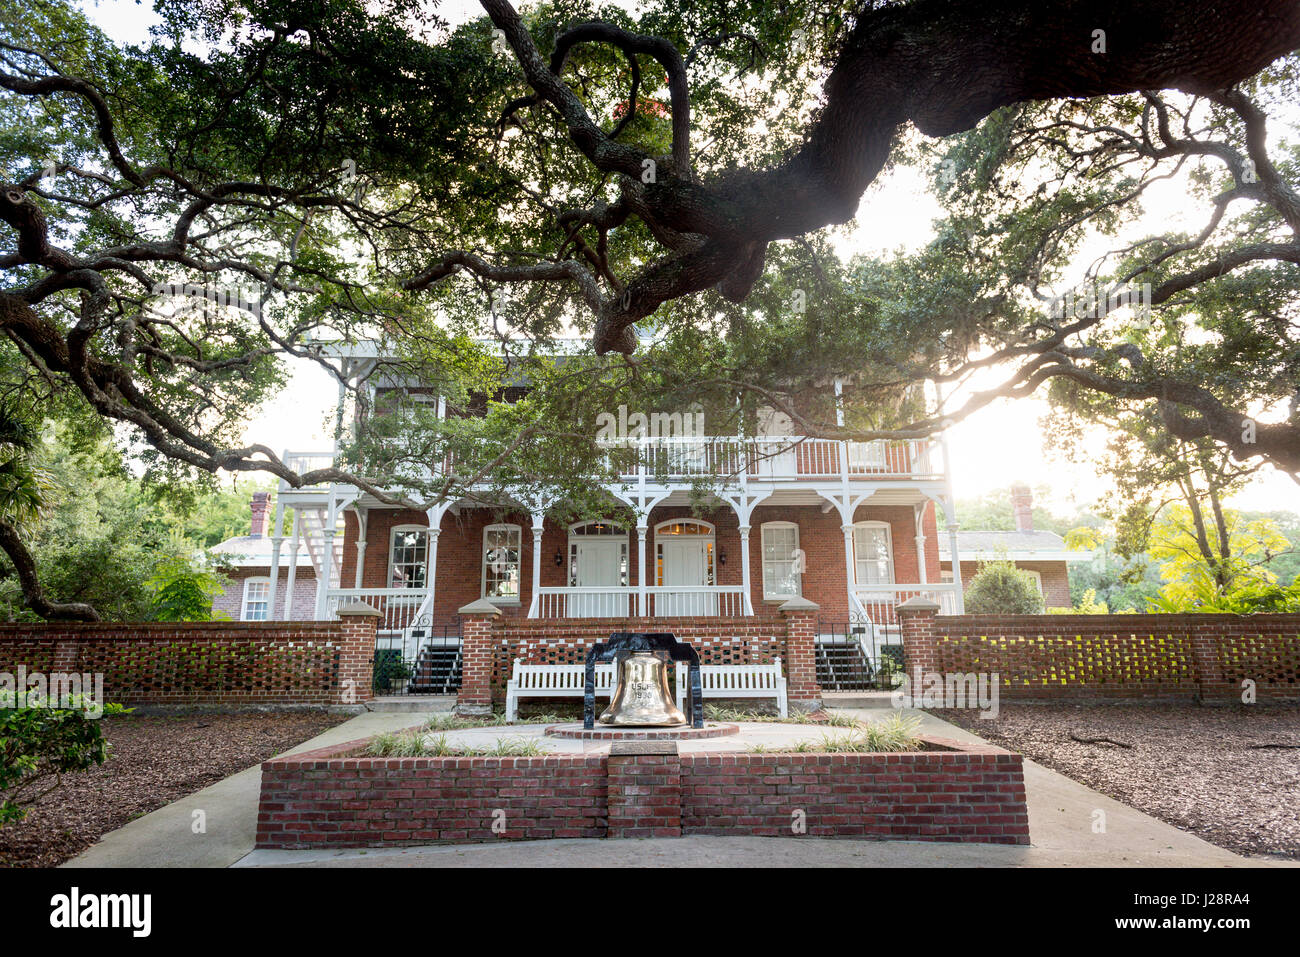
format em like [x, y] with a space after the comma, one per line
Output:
[597, 566]
[685, 564]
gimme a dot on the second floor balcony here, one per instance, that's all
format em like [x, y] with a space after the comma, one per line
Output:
[734, 460]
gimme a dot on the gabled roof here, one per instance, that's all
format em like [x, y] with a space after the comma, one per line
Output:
[254, 551]
[1016, 546]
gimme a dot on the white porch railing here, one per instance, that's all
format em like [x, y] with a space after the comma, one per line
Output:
[685, 458]
[610, 601]
[878, 603]
[699, 601]
[785, 459]
[622, 601]
[400, 609]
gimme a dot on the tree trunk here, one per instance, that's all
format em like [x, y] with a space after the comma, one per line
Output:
[12, 544]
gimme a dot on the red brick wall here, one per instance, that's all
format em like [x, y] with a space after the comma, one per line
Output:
[644, 790]
[975, 794]
[972, 793]
[203, 663]
[459, 569]
[1194, 657]
[311, 800]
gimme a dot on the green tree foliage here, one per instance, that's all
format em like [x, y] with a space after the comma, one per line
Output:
[999, 588]
[101, 539]
[1241, 579]
[42, 740]
[182, 592]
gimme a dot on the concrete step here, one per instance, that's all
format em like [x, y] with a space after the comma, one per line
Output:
[857, 699]
[414, 703]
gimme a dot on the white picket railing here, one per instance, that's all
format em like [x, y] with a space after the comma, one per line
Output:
[788, 458]
[400, 609]
[699, 601]
[622, 601]
[727, 458]
[610, 601]
[878, 603]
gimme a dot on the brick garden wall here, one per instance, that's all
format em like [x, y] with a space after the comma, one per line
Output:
[1176, 657]
[973, 793]
[224, 664]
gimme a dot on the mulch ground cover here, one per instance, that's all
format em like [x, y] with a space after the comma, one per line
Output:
[1229, 775]
[154, 761]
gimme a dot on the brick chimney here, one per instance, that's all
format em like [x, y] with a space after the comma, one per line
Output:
[1022, 507]
[261, 504]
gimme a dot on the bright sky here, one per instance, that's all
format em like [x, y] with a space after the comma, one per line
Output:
[996, 446]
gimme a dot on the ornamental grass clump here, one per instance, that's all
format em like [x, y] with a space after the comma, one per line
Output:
[418, 744]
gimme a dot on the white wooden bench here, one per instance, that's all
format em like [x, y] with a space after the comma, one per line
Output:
[736, 681]
[554, 681]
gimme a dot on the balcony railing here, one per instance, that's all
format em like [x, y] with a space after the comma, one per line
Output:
[732, 459]
[878, 604]
[623, 601]
[783, 459]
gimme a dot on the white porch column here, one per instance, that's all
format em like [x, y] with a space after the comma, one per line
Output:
[950, 508]
[363, 525]
[534, 606]
[744, 568]
[434, 516]
[950, 514]
[850, 569]
[918, 513]
[293, 569]
[327, 572]
[277, 538]
[641, 530]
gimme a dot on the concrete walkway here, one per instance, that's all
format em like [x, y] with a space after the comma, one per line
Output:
[1063, 817]
[165, 838]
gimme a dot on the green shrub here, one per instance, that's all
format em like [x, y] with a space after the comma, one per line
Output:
[182, 592]
[999, 588]
[39, 744]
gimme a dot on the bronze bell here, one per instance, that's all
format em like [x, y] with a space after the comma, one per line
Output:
[641, 696]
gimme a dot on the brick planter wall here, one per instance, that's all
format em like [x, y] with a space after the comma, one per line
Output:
[217, 664]
[1202, 658]
[970, 794]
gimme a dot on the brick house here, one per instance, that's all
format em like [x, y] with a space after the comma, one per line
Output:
[1042, 554]
[245, 561]
[852, 526]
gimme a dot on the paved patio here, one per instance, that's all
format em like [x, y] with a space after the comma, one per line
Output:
[1062, 820]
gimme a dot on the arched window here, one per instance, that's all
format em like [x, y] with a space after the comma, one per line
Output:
[782, 560]
[873, 554]
[257, 600]
[408, 556]
[501, 562]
